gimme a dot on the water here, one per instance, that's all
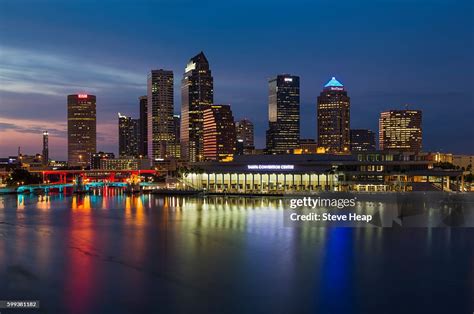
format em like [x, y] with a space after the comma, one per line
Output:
[153, 254]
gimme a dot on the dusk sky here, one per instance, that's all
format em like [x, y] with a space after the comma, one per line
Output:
[387, 53]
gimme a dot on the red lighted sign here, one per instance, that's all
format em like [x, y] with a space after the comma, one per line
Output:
[82, 96]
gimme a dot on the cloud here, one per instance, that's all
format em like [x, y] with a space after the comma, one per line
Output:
[33, 127]
[31, 72]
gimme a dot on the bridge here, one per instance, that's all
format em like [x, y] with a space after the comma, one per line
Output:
[61, 187]
[66, 176]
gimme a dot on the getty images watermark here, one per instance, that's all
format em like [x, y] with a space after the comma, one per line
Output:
[380, 210]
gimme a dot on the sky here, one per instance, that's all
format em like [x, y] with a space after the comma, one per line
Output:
[387, 53]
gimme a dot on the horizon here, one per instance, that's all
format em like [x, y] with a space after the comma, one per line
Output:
[431, 50]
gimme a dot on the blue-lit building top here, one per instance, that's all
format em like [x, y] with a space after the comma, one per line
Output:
[334, 84]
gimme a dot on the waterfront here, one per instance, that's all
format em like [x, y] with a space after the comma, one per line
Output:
[154, 254]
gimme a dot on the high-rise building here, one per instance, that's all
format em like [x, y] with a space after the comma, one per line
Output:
[143, 144]
[400, 130]
[129, 136]
[81, 128]
[245, 136]
[219, 133]
[175, 147]
[160, 114]
[334, 118]
[283, 132]
[45, 148]
[196, 93]
[239, 147]
[362, 140]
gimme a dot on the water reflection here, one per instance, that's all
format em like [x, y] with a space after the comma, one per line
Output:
[111, 252]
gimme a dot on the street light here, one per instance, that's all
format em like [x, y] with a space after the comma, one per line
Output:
[80, 161]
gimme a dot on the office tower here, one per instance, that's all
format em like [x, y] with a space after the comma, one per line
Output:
[400, 130]
[334, 118]
[283, 132]
[143, 144]
[160, 114]
[245, 136]
[45, 148]
[239, 147]
[81, 129]
[97, 157]
[175, 146]
[196, 93]
[219, 133]
[129, 135]
[362, 140]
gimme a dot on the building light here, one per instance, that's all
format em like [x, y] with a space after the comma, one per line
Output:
[82, 96]
[288, 79]
[270, 167]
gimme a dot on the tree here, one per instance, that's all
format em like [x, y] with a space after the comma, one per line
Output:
[22, 176]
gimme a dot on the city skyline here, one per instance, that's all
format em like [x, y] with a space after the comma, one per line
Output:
[37, 72]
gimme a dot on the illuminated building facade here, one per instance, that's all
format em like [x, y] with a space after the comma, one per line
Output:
[219, 133]
[143, 143]
[376, 171]
[97, 157]
[129, 136]
[245, 136]
[283, 132]
[362, 140]
[333, 115]
[307, 146]
[124, 164]
[400, 130]
[197, 92]
[160, 114]
[81, 128]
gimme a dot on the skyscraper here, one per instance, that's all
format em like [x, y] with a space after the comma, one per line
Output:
[81, 128]
[283, 132]
[334, 118]
[175, 147]
[219, 133]
[400, 130]
[362, 140]
[129, 135]
[143, 144]
[244, 130]
[45, 148]
[196, 93]
[160, 113]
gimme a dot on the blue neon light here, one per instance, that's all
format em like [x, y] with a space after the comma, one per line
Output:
[334, 83]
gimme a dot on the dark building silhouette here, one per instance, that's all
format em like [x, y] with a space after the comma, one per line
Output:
[143, 143]
[81, 129]
[400, 130]
[219, 133]
[45, 155]
[362, 140]
[160, 114]
[283, 132]
[129, 136]
[245, 137]
[334, 118]
[175, 147]
[196, 93]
